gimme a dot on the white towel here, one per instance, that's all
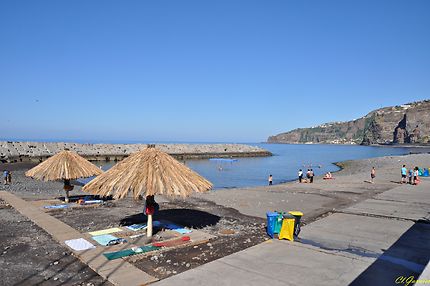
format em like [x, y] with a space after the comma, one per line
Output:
[79, 244]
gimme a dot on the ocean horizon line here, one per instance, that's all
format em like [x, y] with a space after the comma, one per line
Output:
[108, 141]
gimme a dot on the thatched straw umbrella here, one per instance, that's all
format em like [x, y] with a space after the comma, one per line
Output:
[65, 165]
[147, 173]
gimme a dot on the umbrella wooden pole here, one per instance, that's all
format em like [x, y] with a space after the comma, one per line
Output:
[149, 229]
[66, 188]
[66, 199]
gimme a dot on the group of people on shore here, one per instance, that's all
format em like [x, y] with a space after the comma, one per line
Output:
[309, 176]
[7, 177]
[410, 176]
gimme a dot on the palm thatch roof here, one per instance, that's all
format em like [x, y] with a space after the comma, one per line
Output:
[65, 165]
[148, 172]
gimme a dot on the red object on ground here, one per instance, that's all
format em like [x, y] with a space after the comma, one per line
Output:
[174, 242]
[149, 210]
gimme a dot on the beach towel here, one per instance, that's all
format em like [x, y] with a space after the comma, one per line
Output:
[157, 223]
[171, 226]
[174, 242]
[128, 252]
[182, 230]
[93, 202]
[136, 227]
[56, 207]
[104, 238]
[137, 235]
[116, 241]
[105, 231]
[79, 244]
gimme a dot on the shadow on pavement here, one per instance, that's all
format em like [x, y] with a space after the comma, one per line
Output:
[407, 257]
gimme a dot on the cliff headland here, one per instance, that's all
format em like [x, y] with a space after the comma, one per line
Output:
[402, 124]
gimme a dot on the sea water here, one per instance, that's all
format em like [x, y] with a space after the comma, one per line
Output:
[287, 159]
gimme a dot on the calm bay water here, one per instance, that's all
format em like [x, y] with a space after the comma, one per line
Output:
[283, 165]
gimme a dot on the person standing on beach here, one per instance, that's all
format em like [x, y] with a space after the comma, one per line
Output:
[404, 171]
[300, 175]
[5, 176]
[270, 180]
[311, 176]
[416, 173]
[9, 178]
[372, 174]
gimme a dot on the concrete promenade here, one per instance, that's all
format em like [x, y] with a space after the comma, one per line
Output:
[378, 241]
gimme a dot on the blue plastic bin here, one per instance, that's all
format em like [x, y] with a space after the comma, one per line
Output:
[271, 221]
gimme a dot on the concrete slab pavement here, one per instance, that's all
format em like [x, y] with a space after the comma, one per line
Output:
[373, 243]
[275, 263]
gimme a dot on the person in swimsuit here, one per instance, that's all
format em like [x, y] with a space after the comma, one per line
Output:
[372, 174]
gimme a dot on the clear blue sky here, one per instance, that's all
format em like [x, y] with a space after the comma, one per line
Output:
[234, 71]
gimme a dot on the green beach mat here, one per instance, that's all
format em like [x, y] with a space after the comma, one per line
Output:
[129, 252]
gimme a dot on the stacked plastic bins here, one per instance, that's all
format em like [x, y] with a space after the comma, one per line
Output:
[271, 221]
[287, 225]
[298, 216]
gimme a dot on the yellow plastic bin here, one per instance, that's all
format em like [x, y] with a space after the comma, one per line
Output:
[298, 216]
[287, 229]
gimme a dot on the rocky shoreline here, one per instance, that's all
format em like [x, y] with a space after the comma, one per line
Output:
[13, 152]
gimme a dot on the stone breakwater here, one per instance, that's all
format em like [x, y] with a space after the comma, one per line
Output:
[11, 152]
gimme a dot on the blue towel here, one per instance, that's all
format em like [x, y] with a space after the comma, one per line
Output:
[182, 230]
[104, 239]
[171, 226]
[157, 223]
[57, 207]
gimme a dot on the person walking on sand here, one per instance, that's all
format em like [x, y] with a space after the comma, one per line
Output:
[300, 175]
[404, 171]
[416, 173]
[372, 174]
[5, 176]
[270, 180]
[9, 178]
[311, 176]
